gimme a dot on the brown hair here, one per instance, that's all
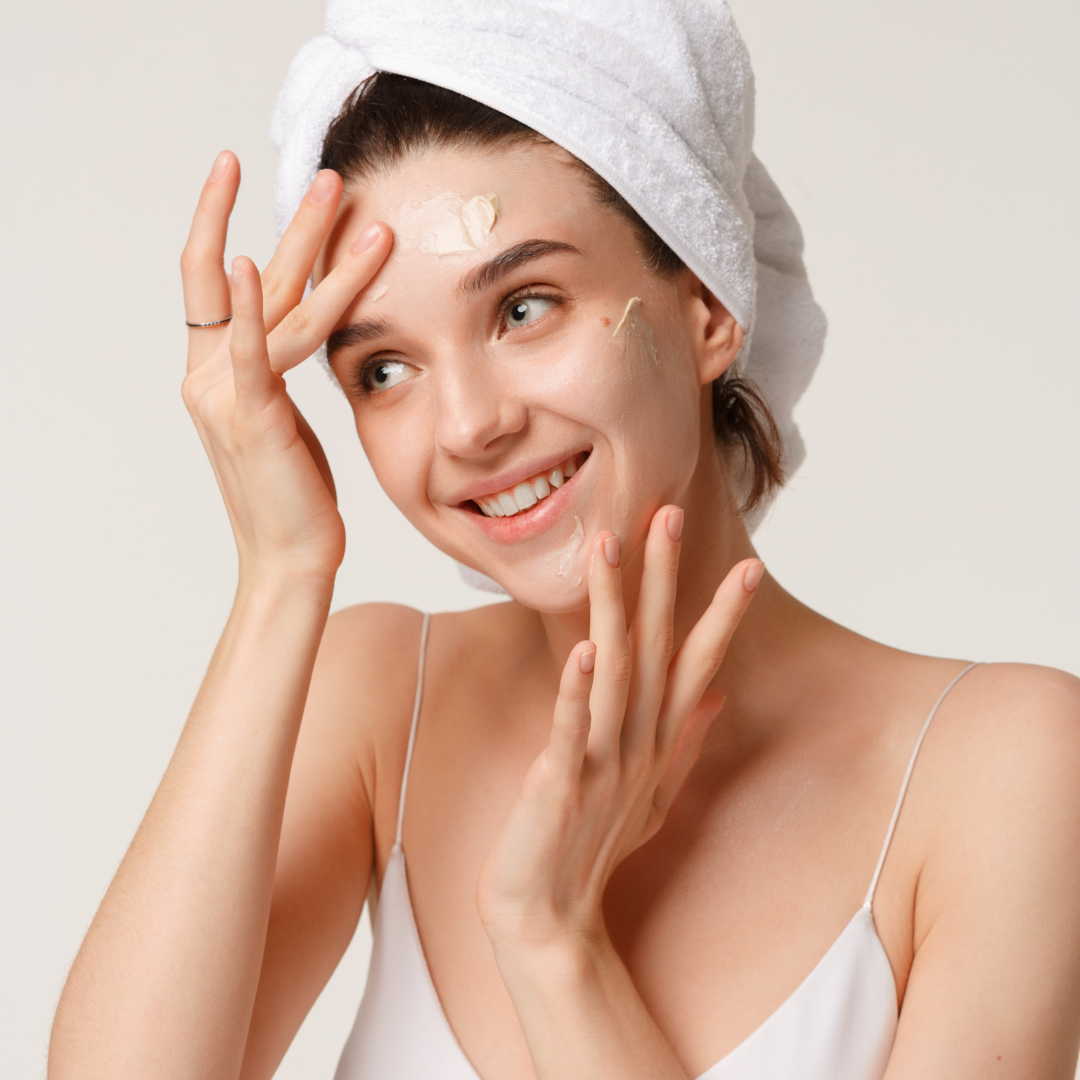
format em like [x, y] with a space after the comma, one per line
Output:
[387, 117]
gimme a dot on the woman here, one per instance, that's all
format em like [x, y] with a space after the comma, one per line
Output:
[652, 806]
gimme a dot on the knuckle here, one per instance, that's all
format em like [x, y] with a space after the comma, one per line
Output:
[621, 666]
[191, 261]
[664, 640]
[297, 322]
[271, 282]
[189, 392]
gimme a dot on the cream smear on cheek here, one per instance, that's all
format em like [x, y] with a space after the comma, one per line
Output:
[568, 558]
[634, 337]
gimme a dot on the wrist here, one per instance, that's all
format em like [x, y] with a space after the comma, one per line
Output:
[550, 948]
[258, 578]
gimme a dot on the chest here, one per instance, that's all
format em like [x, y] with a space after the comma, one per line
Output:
[764, 860]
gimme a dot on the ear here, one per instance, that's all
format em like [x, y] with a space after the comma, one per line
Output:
[717, 336]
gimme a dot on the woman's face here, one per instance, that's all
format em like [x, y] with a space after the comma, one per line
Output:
[522, 385]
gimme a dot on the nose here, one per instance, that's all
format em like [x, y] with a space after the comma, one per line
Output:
[474, 407]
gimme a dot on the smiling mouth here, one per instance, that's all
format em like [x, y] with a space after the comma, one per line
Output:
[524, 496]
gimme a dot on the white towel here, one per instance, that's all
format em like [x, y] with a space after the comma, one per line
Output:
[655, 95]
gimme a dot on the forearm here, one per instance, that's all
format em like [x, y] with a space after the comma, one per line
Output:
[164, 983]
[582, 1016]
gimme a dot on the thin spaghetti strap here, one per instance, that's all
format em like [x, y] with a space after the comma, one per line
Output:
[869, 901]
[412, 730]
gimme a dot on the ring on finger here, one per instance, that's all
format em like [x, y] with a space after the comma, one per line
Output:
[201, 325]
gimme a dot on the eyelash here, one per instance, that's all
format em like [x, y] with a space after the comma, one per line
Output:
[358, 382]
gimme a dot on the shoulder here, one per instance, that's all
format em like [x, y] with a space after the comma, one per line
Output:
[1003, 787]
[366, 668]
[359, 703]
[1014, 720]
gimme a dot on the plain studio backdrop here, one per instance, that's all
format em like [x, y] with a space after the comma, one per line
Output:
[930, 152]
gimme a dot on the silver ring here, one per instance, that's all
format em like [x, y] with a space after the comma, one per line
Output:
[199, 325]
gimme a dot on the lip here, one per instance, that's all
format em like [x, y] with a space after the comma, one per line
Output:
[535, 520]
[512, 477]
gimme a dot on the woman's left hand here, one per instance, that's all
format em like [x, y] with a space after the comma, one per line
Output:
[629, 724]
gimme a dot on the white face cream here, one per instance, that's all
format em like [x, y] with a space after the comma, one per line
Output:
[568, 559]
[459, 226]
[639, 333]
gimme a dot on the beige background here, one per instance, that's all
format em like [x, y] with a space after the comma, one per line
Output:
[930, 151]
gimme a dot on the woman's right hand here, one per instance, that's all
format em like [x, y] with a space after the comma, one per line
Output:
[270, 468]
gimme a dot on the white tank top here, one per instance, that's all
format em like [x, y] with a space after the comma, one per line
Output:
[839, 1023]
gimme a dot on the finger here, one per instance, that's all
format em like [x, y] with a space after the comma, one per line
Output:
[572, 720]
[652, 637]
[687, 751]
[701, 654]
[286, 276]
[308, 324]
[206, 287]
[607, 628]
[255, 383]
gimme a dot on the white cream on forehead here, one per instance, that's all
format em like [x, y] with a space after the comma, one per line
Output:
[460, 225]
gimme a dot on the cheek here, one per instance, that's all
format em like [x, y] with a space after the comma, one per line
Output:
[398, 447]
[634, 386]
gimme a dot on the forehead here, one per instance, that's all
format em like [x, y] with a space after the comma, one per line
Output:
[539, 191]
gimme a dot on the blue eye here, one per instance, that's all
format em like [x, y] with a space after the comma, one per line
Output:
[527, 310]
[384, 374]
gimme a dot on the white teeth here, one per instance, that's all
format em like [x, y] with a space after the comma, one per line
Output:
[528, 493]
[524, 496]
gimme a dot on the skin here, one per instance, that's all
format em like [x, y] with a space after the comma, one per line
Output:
[607, 880]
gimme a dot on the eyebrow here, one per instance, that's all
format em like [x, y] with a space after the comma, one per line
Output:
[356, 333]
[493, 271]
[476, 281]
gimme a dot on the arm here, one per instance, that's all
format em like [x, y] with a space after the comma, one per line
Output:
[994, 989]
[628, 726]
[165, 981]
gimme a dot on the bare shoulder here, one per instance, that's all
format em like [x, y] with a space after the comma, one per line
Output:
[1003, 789]
[1015, 720]
[356, 719]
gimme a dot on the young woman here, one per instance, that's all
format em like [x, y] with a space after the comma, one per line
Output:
[652, 805]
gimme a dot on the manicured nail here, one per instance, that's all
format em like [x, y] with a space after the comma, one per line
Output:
[367, 237]
[322, 186]
[221, 163]
[611, 551]
[237, 272]
[674, 525]
[753, 576]
[587, 661]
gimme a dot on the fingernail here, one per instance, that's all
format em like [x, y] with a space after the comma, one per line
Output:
[587, 662]
[322, 186]
[221, 163]
[237, 272]
[611, 551]
[367, 238]
[674, 525]
[753, 576]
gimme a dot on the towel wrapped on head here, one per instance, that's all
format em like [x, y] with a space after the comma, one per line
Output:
[654, 95]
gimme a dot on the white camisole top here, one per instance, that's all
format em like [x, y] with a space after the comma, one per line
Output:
[838, 1024]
